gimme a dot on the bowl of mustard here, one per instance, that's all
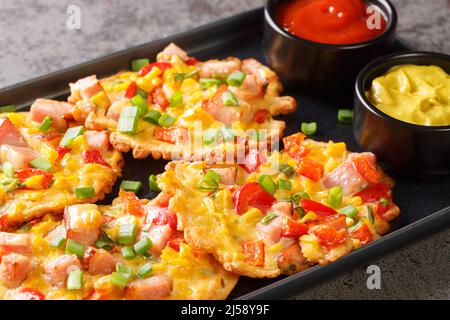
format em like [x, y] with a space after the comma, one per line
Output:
[402, 111]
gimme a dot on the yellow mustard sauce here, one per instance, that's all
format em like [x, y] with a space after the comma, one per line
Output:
[414, 94]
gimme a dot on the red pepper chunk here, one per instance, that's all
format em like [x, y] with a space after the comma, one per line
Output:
[261, 116]
[291, 228]
[94, 156]
[132, 204]
[363, 233]
[158, 97]
[191, 61]
[252, 194]
[31, 294]
[375, 193]
[310, 169]
[171, 135]
[253, 160]
[293, 147]
[163, 66]
[317, 207]
[62, 151]
[27, 173]
[366, 169]
[176, 241]
[328, 236]
[162, 216]
[131, 90]
[254, 252]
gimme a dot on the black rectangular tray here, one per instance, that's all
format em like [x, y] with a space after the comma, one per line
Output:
[424, 202]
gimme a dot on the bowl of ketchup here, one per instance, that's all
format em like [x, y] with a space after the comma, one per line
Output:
[321, 45]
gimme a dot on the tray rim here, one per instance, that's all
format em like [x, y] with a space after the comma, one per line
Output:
[317, 274]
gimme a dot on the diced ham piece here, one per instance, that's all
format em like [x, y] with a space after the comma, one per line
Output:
[14, 242]
[85, 88]
[171, 50]
[347, 177]
[99, 261]
[219, 111]
[83, 223]
[227, 175]
[97, 140]
[291, 259]
[59, 268]
[251, 88]
[24, 294]
[263, 74]
[10, 135]
[19, 157]
[14, 268]
[211, 67]
[154, 288]
[57, 110]
[160, 235]
[271, 232]
[56, 233]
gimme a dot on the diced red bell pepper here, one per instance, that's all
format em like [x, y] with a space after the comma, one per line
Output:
[171, 135]
[252, 194]
[162, 216]
[163, 66]
[363, 233]
[366, 169]
[375, 192]
[291, 228]
[310, 169]
[328, 236]
[191, 61]
[261, 116]
[32, 294]
[158, 97]
[254, 251]
[317, 207]
[253, 160]
[131, 90]
[132, 204]
[176, 241]
[293, 146]
[62, 151]
[94, 156]
[27, 173]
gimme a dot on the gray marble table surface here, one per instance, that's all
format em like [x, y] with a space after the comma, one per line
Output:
[34, 40]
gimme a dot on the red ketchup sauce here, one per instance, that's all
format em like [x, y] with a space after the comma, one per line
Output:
[329, 21]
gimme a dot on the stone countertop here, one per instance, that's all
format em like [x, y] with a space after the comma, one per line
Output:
[35, 41]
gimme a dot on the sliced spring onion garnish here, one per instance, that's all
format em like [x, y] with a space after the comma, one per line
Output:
[350, 211]
[284, 184]
[137, 64]
[84, 192]
[230, 99]
[166, 120]
[385, 202]
[335, 197]
[8, 169]
[128, 120]
[142, 246]
[208, 83]
[128, 253]
[182, 76]
[41, 163]
[75, 280]
[104, 243]
[125, 270]
[176, 99]
[370, 214]
[236, 78]
[355, 226]
[127, 234]
[141, 103]
[269, 217]
[8, 108]
[57, 242]
[73, 247]
[210, 136]
[118, 279]
[309, 128]
[153, 183]
[71, 134]
[296, 197]
[210, 181]
[152, 116]
[345, 115]
[287, 170]
[45, 124]
[129, 185]
[145, 270]
[267, 183]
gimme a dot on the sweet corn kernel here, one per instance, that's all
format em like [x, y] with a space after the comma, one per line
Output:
[101, 100]
[121, 86]
[127, 75]
[309, 216]
[107, 86]
[17, 119]
[251, 217]
[49, 153]
[34, 183]
[40, 245]
[336, 149]
[79, 144]
[189, 86]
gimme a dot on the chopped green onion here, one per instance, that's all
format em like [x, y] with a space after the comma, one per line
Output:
[127, 233]
[309, 128]
[128, 120]
[118, 279]
[385, 202]
[140, 102]
[129, 185]
[128, 253]
[166, 120]
[370, 214]
[355, 226]
[296, 197]
[236, 78]
[75, 280]
[104, 243]
[57, 242]
[210, 181]
[84, 192]
[284, 184]
[137, 64]
[230, 99]
[210, 136]
[8, 169]
[182, 76]
[41, 163]
[125, 270]
[269, 217]
[176, 99]
[345, 115]
[45, 124]
[142, 246]
[152, 116]
[73, 247]
[266, 182]
[222, 77]
[335, 197]
[8, 108]
[350, 211]
[208, 83]
[287, 170]
[301, 212]
[71, 134]
[145, 270]
[153, 183]
[142, 93]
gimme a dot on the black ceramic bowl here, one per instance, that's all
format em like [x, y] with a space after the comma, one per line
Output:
[406, 147]
[322, 67]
